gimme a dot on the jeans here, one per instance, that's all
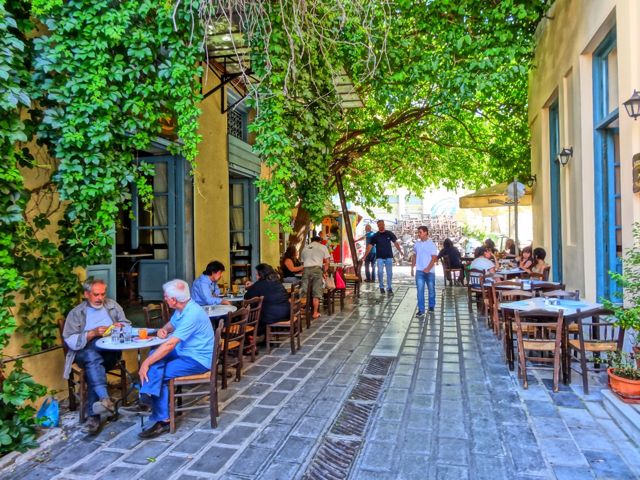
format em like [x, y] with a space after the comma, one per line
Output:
[370, 261]
[96, 363]
[171, 366]
[385, 263]
[430, 280]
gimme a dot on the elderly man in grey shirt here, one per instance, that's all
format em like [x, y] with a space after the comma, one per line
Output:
[84, 325]
[315, 258]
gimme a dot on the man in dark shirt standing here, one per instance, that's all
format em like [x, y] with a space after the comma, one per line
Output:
[382, 241]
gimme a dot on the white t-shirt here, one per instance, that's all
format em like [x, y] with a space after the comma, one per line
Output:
[97, 317]
[482, 263]
[424, 251]
[314, 254]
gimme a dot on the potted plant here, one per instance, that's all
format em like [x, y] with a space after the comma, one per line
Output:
[624, 376]
[628, 317]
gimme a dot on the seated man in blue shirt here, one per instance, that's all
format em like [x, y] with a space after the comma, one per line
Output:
[189, 351]
[204, 290]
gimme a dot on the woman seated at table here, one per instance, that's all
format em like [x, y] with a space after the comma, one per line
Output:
[453, 256]
[539, 265]
[291, 265]
[510, 247]
[275, 305]
[526, 260]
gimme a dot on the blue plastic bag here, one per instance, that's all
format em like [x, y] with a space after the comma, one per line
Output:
[49, 413]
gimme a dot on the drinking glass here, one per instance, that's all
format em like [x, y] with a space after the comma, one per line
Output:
[127, 333]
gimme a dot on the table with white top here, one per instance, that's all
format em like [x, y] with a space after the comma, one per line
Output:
[215, 311]
[572, 310]
[136, 343]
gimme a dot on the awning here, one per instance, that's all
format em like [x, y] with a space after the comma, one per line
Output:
[494, 196]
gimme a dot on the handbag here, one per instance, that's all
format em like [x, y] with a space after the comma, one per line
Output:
[330, 283]
[49, 413]
[340, 283]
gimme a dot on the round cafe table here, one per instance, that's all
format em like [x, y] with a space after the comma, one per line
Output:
[215, 311]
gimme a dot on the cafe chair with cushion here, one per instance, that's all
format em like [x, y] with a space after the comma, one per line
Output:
[290, 328]
[77, 382]
[596, 335]
[539, 332]
[232, 343]
[186, 393]
[255, 307]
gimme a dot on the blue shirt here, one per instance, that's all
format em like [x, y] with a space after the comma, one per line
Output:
[203, 291]
[193, 327]
[368, 237]
[424, 251]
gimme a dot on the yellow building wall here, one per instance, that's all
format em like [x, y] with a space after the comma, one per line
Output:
[269, 246]
[563, 71]
[211, 185]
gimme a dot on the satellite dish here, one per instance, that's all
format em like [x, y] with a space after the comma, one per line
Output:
[515, 191]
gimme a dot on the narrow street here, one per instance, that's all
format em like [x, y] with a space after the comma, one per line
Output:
[374, 393]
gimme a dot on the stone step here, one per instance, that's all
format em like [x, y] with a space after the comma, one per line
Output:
[627, 416]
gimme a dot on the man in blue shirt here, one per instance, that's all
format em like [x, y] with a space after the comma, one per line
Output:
[188, 351]
[370, 259]
[382, 240]
[204, 290]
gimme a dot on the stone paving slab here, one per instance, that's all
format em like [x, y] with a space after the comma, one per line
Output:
[450, 408]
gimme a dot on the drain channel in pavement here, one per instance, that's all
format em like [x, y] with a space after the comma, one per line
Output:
[339, 447]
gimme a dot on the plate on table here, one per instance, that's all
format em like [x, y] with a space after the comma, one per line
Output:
[150, 331]
[141, 340]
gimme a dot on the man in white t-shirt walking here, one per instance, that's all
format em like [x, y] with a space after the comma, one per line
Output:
[315, 259]
[423, 262]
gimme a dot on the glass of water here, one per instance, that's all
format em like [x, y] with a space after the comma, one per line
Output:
[127, 333]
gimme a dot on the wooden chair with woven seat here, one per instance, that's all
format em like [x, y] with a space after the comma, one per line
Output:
[194, 388]
[255, 307]
[77, 382]
[154, 315]
[450, 272]
[352, 280]
[287, 328]
[232, 343]
[506, 320]
[539, 331]
[595, 336]
[493, 316]
[476, 287]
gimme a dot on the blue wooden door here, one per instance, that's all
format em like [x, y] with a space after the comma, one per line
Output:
[556, 206]
[159, 230]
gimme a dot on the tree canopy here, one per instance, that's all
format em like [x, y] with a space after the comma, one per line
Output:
[444, 87]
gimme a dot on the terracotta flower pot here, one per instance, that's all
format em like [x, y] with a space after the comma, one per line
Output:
[628, 390]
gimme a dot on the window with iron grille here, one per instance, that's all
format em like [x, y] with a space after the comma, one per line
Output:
[236, 124]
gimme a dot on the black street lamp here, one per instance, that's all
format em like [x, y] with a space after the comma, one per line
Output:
[633, 105]
[565, 155]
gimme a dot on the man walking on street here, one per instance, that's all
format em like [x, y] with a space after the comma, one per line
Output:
[382, 241]
[423, 262]
[315, 259]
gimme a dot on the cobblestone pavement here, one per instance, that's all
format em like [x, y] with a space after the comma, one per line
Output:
[374, 393]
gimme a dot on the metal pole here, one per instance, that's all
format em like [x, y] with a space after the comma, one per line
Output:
[347, 225]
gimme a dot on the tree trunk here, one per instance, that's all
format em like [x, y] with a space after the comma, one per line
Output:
[300, 229]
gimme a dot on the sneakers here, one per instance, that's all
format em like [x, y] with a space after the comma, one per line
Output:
[155, 430]
[420, 314]
[92, 425]
[382, 291]
[105, 405]
[431, 309]
[390, 292]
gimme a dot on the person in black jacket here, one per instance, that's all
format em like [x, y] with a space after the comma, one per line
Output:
[275, 305]
[453, 257]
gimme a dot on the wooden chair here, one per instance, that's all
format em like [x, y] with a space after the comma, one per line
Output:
[232, 343]
[493, 316]
[476, 288]
[199, 387]
[559, 293]
[352, 280]
[154, 315]
[506, 320]
[539, 331]
[595, 336]
[255, 307]
[287, 328]
[77, 382]
[544, 275]
[448, 272]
